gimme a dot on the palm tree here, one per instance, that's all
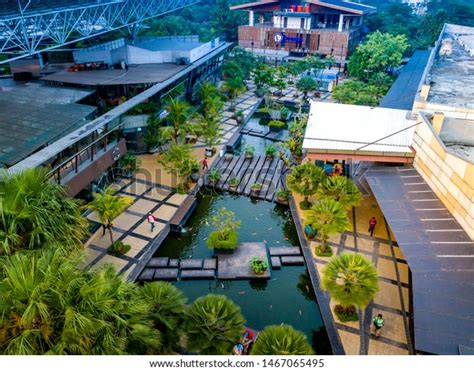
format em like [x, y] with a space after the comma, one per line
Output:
[167, 311]
[214, 325]
[306, 85]
[210, 97]
[305, 179]
[327, 217]
[341, 189]
[37, 213]
[49, 306]
[281, 340]
[351, 280]
[152, 137]
[211, 130]
[233, 87]
[108, 206]
[178, 118]
[178, 160]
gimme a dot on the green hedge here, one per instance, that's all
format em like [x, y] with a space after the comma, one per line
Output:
[215, 242]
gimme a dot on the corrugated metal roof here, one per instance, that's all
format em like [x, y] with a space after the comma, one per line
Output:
[346, 127]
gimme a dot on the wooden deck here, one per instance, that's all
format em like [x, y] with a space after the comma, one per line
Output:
[183, 213]
[267, 171]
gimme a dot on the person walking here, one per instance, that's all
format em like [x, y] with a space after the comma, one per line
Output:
[151, 220]
[378, 324]
[372, 224]
[205, 164]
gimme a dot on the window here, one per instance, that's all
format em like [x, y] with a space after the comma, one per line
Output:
[302, 23]
[285, 22]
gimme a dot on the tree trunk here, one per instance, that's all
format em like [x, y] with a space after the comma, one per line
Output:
[109, 227]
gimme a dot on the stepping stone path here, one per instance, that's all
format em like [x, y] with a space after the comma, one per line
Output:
[166, 274]
[198, 274]
[173, 263]
[276, 262]
[236, 265]
[210, 264]
[280, 251]
[158, 262]
[191, 264]
[147, 275]
[292, 260]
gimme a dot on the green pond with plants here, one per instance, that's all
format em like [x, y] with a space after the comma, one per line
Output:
[287, 297]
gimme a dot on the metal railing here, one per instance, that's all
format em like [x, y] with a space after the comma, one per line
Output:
[84, 156]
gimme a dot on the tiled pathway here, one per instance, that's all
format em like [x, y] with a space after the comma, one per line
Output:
[393, 299]
[152, 190]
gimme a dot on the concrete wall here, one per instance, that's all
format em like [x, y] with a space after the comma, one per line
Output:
[293, 22]
[449, 176]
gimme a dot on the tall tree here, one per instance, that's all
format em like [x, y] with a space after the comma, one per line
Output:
[37, 213]
[306, 85]
[178, 119]
[341, 189]
[305, 179]
[379, 52]
[281, 340]
[108, 206]
[178, 160]
[327, 217]
[233, 87]
[214, 325]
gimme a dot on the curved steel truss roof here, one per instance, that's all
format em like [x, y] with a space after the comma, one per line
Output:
[29, 29]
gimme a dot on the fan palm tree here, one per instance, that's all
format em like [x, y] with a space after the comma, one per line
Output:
[108, 206]
[351, 280]
[167, 311]
[327, 217]
[178, 118]
[210, 97]
[49, 306]
[214, 325]
[281, 340]
[37, 213]
[341, 189]
[233, 87]
[305, 179]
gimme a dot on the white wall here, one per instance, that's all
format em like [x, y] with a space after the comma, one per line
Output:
[293, 22]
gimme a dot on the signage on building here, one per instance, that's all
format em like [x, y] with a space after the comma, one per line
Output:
[279, 38]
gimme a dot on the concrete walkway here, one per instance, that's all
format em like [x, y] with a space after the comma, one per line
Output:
[153, 190]
[393, 299]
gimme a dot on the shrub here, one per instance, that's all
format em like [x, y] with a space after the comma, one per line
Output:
[229, 242]
[283, 193]
[214, 175]
[256, 186]
[284, 112]
[277, 124]
[281, 340]
[118, 248]
[323, 251]
[258, 265]
[346, 314]
[234, 182]
[270, 150]
[249, 150]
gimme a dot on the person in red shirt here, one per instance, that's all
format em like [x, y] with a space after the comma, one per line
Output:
[151, 220]
[372, 223]
[205, 164]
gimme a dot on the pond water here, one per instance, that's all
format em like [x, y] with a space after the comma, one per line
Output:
[287, 297]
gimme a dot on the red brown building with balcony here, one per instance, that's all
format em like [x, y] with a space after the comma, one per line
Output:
[280, 28]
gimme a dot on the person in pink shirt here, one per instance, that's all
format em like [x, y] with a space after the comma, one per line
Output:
[151, 220]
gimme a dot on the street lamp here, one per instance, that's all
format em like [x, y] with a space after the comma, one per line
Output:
[252, 43]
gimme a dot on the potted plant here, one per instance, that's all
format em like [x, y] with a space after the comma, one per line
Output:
[130, 164]
[234, 183]
[228, 156]
[276, 125]
[310, 232]
[256, 187]
[239, 117]
[270, 151]
[285, 113]
[213, 177]
[282, 196]
[195, 172]
[249, 151]
[224, 238]
[258, 265]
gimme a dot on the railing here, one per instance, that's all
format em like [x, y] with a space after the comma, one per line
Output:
[84, 156]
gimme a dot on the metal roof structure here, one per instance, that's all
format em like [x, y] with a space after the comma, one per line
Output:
[440, 255]
[33, 116]
[346, 127]
[403, 91]
[29, 27]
